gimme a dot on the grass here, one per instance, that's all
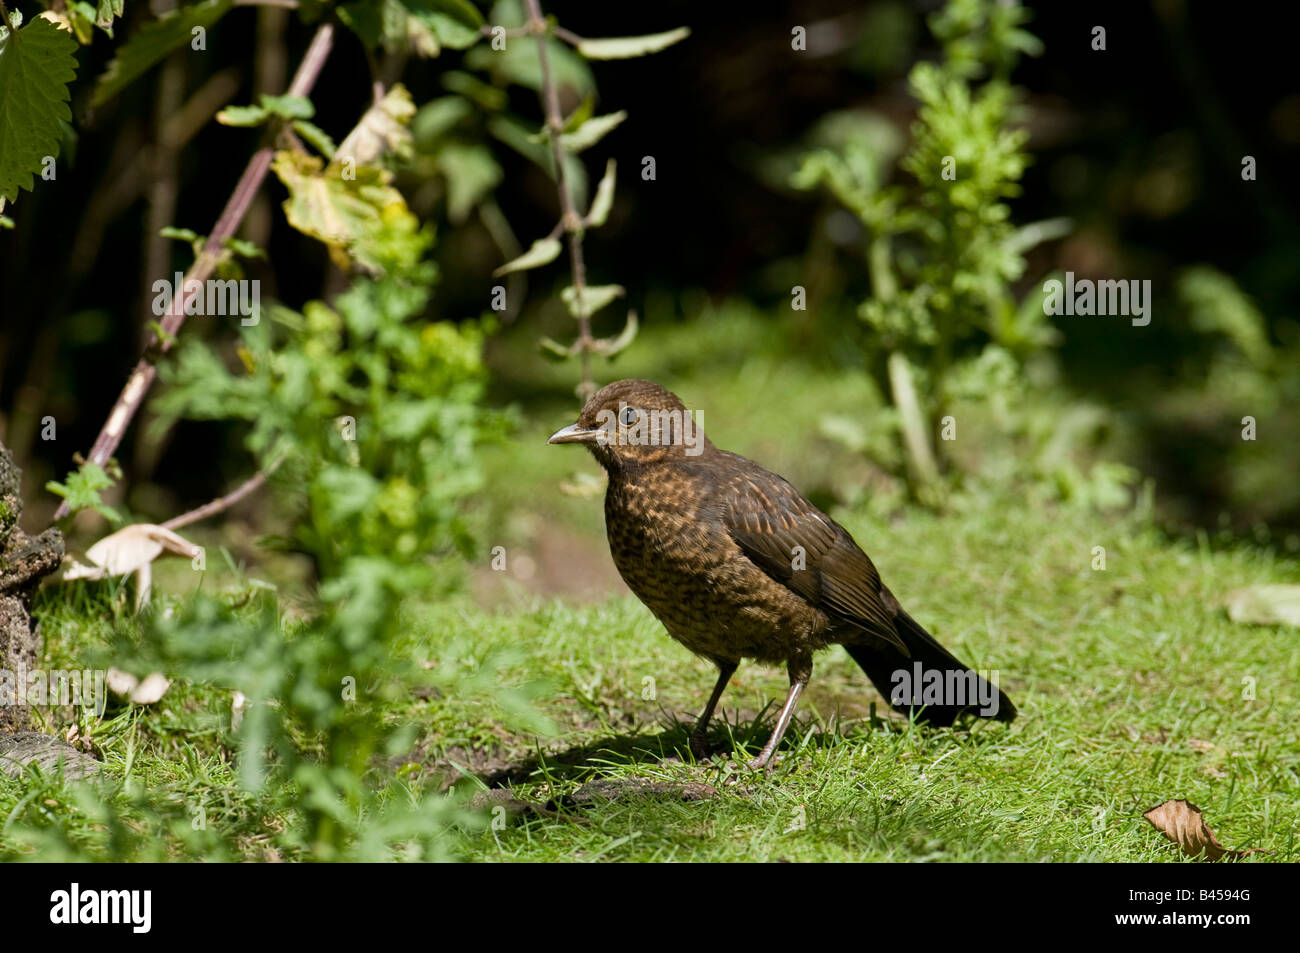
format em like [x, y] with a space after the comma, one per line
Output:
[567, 726]
[1129, 683]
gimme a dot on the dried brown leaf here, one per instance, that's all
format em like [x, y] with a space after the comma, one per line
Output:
[1181, 821]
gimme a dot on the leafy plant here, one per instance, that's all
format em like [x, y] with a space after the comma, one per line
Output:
[942, 252]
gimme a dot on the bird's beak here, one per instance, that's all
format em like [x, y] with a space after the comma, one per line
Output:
[573, 434]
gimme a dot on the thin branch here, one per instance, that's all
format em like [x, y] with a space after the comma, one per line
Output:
[146, 369]
[568, 36]
[569, 217]
[219, 504]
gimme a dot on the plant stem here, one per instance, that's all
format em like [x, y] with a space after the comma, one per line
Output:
[219, 504]
[146, 369]
[569, 218]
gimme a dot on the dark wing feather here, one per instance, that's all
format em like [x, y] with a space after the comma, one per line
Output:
[768, 518]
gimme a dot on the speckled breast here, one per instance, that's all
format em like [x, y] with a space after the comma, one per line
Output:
[685, 567]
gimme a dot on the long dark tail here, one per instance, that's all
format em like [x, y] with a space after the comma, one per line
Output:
[937, 698]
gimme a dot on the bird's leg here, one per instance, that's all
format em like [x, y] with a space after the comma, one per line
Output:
[699, 735]
[800, 672]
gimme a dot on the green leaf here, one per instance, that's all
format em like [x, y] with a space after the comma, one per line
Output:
[609, 347]
[242, 116]
[593, 299]
[518, 64]
[625, 47]
[554, 349]
[592, 131]
[543, 252]
[347, 214]
[580, 115]
[438, 117]
[181, 234]
[290, 107]
[36, 66]
[604, 199]
[456, 23]
[317, 136]
[154, 42]
[106, 12]
[471, 174]
[471, 87]
[245, 248]
[81, 492]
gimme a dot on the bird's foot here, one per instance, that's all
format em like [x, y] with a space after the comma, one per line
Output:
[764, 762]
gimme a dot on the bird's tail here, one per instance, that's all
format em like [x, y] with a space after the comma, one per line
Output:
[932, 685]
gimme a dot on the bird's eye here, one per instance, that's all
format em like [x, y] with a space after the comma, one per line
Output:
[628, 416]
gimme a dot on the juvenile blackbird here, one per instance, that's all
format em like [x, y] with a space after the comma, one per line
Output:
[736, 563]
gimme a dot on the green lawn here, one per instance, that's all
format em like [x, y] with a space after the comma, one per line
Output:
[1129, 683]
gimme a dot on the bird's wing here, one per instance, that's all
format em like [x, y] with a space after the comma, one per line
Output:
[805, 550]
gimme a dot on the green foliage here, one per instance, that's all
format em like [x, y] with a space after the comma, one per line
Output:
[152, 44]
[942, 251]
[626, 47]
[36, 66]
[82, 491]
[286, 107]
[371, 421]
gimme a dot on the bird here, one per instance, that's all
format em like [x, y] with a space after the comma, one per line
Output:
[738, 564]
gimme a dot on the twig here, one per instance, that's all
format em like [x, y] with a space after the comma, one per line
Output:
[570, 220]
[219, 504]
[146, 369]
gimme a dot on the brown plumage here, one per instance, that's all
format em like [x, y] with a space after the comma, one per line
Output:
[736, 563]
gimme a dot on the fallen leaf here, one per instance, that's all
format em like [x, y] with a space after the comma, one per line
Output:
[1196, 744]
[1182, 823]
[1265, 605]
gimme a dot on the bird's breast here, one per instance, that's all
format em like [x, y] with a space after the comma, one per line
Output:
[674, 552]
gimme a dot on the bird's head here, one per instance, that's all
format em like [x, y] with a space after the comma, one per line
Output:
[635, 422]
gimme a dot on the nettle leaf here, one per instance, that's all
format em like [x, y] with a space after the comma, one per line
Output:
[471, 173]
[438, 117]
[604, 199]
[345, 213]
[593, 298]
[625, 47]
[242, 116]
[382, 129]
[154, 42]
[610, 347]
[317, 136]
[293, 108]
[543, 252]
[288, 107]
[592, 131]
[106, 12]
[36, 66]
[518, 64]
[456, 23]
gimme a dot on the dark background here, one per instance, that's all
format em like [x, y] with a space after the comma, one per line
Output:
[1140, 145]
